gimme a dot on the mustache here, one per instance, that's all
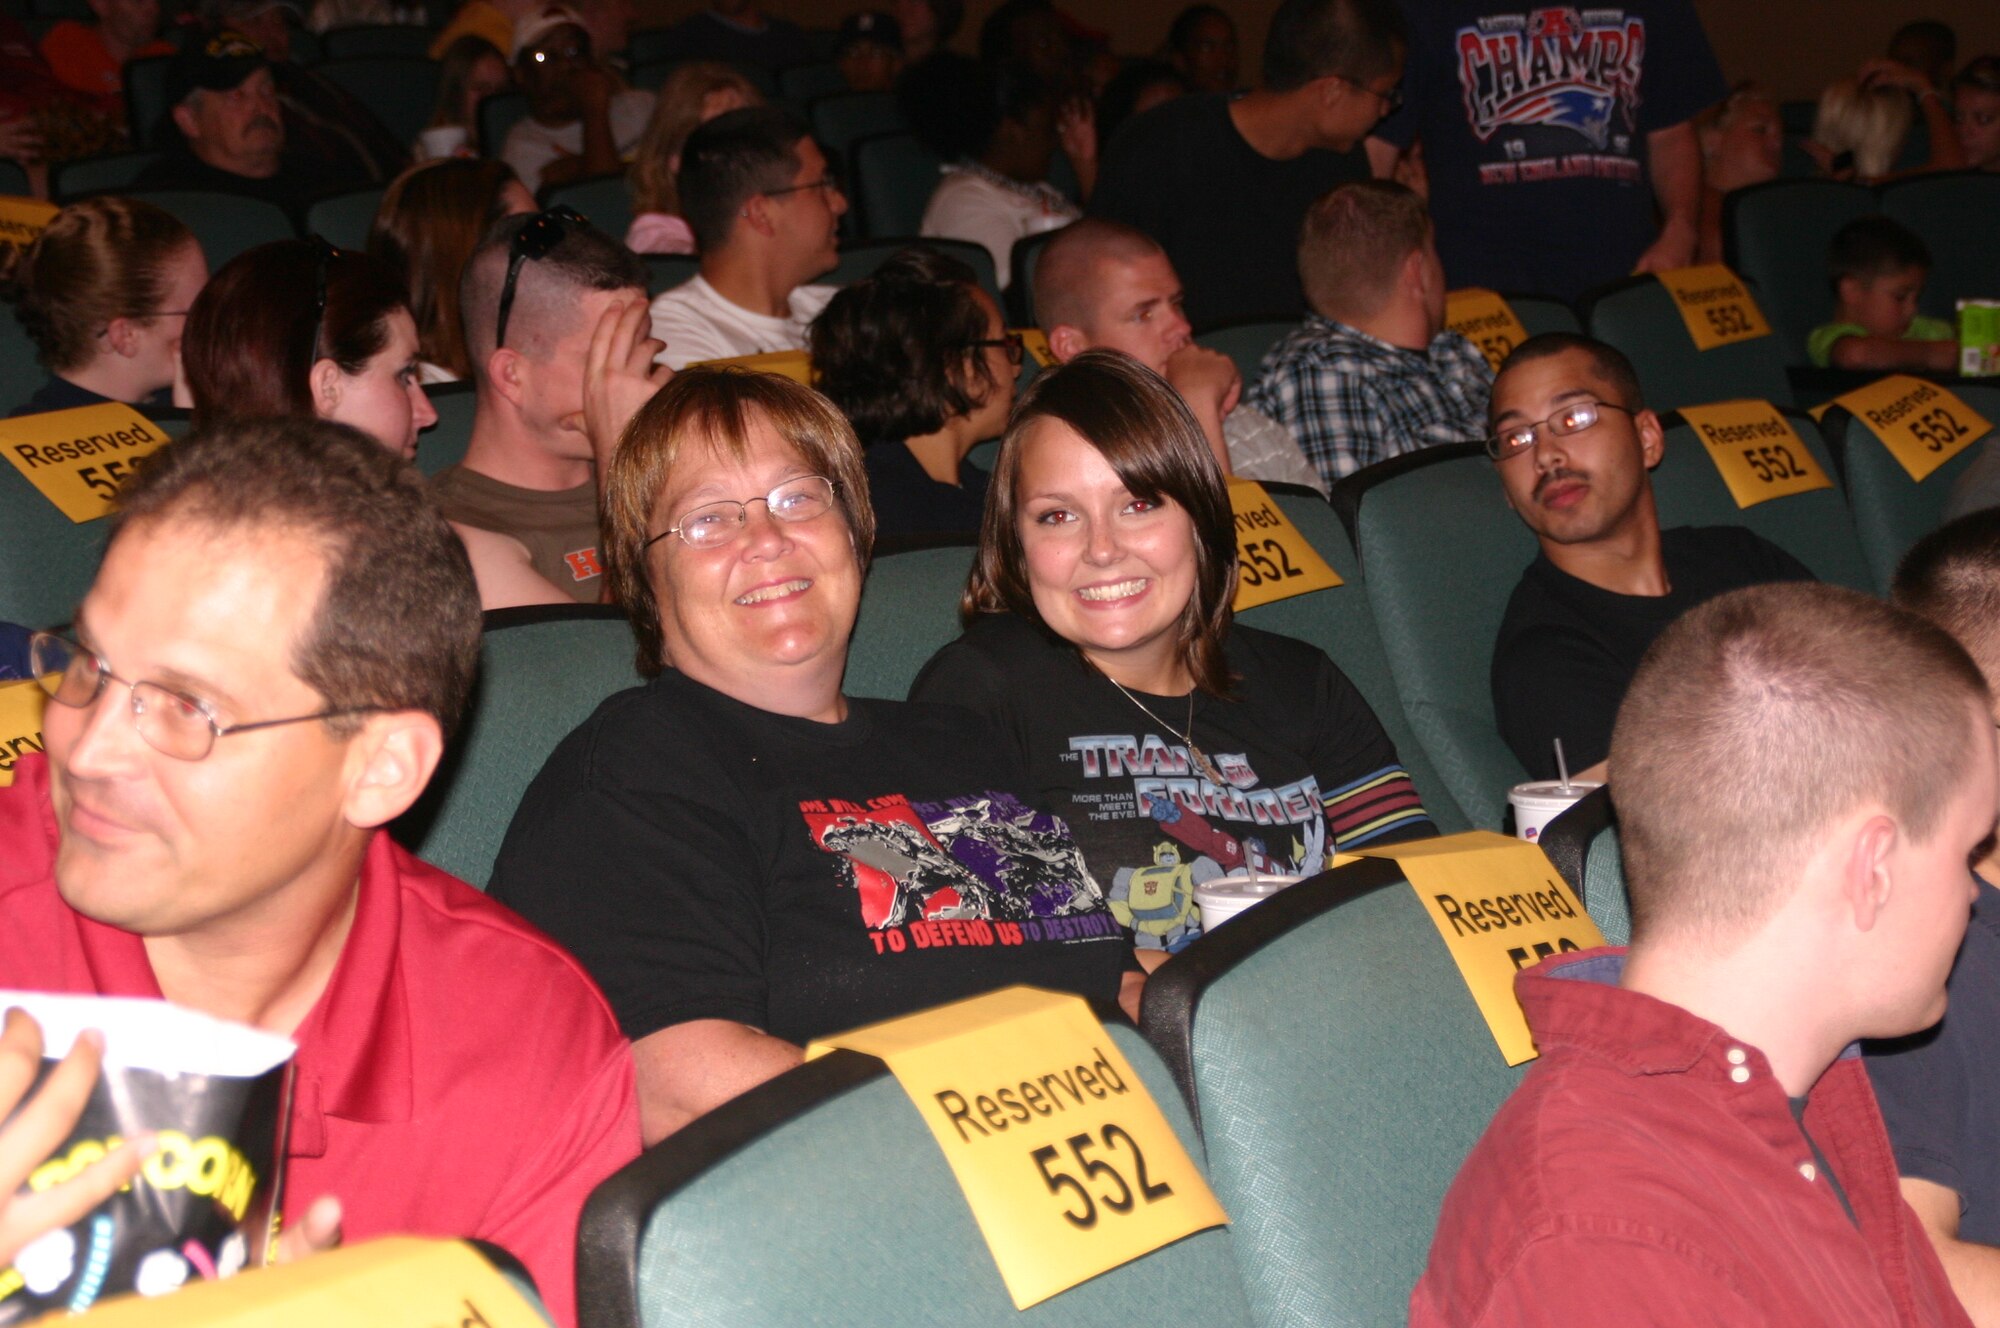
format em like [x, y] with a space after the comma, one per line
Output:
[1555, 476]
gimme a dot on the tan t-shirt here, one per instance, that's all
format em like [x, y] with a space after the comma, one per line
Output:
[559, 527]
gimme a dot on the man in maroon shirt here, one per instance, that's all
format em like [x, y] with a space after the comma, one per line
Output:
[281, 635]
[1803, 777]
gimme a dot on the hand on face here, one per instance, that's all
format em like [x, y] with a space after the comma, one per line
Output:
[619, 376]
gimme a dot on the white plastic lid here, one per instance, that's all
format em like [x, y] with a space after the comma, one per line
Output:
[152, 1035]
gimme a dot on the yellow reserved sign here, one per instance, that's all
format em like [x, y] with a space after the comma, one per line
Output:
[1274, 560]
[21, 705]
[1923, 425]
[22, 220]
[1755, 447]
[1715, 304]
[1036, 343]
[78, 458]
[793, 364]
[1501, 908]
[1486, 320]
[392, 1282]
[1064, 1157]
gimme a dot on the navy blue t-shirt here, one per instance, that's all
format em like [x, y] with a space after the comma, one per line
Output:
[1534, 124]
[1940, 1089]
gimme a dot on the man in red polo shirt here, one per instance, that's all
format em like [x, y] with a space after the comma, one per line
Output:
[281, 635]
[1803, 777]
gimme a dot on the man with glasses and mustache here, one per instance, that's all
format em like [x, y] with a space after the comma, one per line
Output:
[581, 122]
[281, 637]
[541, 297]
[765, 209]
[1573, 444]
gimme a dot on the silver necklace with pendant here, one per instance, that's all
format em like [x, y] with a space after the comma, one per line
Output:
[1203, 766]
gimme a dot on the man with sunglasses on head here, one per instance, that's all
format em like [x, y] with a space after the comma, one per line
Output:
[535, 294]
[581, 120]
[765, 209]
[280, 639]
[1574, 444]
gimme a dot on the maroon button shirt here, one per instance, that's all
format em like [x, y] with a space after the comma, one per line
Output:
[459, 1076]
[1648, 1170]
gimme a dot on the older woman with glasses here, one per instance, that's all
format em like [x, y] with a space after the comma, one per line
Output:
[743, 857]
[300, 328]
[917, 358]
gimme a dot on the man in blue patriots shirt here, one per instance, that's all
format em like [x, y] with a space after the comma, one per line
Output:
[1557, 140]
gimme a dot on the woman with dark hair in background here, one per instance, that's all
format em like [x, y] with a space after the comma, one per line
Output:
[104, 294]
[1178, 746]
[430, 221]
[997, 131]
[301, 328]
[918, 359]
[470, 71]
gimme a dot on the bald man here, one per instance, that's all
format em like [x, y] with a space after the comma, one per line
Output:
[1102, 284]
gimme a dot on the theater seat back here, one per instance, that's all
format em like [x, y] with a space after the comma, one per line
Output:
[1639, 317]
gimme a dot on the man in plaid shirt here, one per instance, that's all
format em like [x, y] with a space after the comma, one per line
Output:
[1372, 373]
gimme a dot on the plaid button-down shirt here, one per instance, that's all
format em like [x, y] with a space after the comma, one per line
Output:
[1352, 400]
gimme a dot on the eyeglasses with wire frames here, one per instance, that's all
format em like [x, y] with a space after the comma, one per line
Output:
[829, 182]
[1392, 100]
[1012, 341]
[713, 525]
[171, 723]
[1573, 418]
[324, 252]
[536, 238]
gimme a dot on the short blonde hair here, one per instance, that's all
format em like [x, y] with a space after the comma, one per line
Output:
[710, 409]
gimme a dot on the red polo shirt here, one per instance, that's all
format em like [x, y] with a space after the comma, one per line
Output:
[1649, 1170]
[460, 1075]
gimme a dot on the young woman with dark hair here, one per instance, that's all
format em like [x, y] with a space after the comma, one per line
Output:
[299, 328]
[1178, 746]
[917, 358]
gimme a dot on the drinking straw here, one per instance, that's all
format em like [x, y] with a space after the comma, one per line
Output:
[1562, 766]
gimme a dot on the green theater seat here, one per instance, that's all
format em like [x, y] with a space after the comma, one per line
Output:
[1639, 317]
[1583, 845]
[1777, 235]
[1340, 1072]
[909, 612]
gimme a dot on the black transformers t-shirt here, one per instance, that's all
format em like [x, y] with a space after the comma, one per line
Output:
[1306, 767]
[708, 860]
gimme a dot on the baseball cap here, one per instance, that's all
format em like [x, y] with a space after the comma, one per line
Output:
[529, 31]
[870, 25]
[215, 64]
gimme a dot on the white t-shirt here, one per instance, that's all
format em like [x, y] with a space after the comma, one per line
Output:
[969, 205]
[531, 146]
[698, 324]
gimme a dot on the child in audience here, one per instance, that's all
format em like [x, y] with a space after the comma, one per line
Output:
[1877, 268]
[1975, 101]
[104, 294]
[693, 95]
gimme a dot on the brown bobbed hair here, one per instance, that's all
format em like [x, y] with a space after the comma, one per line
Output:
[1758, 720]
[431, 219]
[248, 346]
[397, 626]
[709, 410]
[1145, 431]
[98, 259]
